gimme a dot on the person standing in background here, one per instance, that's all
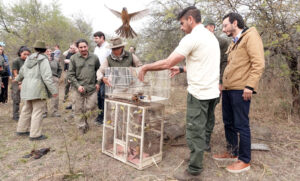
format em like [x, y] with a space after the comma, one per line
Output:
[57, 53]
[5, 74]
[56, 73]
[23, 53]
[102, 51]
[68, 54]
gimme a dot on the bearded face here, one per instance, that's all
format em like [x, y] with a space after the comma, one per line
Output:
[228, 28]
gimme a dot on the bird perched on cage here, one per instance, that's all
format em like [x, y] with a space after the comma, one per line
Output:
[125, 30]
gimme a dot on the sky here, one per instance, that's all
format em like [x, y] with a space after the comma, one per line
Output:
[95, 12]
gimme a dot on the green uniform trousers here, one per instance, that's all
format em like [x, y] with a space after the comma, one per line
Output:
[200, 121]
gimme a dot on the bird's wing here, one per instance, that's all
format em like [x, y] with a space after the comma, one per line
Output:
[138, 15]
[118, 14]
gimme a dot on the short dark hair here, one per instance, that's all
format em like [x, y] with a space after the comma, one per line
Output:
[99, 34]
[235, 16]
[81, 41]
[23, 49]
[40, 50]
[190, 11]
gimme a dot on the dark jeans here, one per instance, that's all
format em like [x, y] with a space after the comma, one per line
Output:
[200, 121]
[236, 120]
[101, 98]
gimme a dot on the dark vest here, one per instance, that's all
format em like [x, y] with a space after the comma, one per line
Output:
[127, 61]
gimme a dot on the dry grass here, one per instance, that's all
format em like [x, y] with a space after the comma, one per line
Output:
[270, 123]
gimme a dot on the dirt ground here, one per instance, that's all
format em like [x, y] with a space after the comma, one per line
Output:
[87, 162]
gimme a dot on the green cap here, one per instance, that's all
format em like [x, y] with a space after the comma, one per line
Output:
[40, 44]
[208, 21]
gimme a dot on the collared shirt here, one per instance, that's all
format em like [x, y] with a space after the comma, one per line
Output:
[101, 71]
[17, 64]
[235, 39]
[202, 52]
[82, 72]
[102, 52]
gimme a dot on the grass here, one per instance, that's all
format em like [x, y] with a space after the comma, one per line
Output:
[271, 123]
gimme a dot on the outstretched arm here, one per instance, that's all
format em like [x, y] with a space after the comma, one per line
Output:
[167, 63]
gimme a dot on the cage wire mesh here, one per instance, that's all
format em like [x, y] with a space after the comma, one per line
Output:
[126, 85]
[133, 133]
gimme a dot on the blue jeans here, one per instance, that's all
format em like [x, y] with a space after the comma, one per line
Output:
[236, 120]
[101, 98]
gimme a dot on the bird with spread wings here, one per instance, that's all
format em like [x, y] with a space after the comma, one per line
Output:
[125, 30]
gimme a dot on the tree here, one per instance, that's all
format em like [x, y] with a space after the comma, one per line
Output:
[278, 22]
[29, 20]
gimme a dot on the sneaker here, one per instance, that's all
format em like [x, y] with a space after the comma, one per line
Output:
[184, 175]
[238, 167]
[42, 137]
[224, 157]
[23, 133]
[69, 107]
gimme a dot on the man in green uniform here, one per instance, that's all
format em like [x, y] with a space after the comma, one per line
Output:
[82, 74]
[209, 24]
[223, 43]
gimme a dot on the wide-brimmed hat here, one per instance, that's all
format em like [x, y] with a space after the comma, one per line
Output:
[39, 44]
[116, 43]
[208, 21]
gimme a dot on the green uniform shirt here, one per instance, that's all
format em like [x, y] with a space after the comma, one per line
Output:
[82, 72]
[224, 43]
[55, 68]
[17, 64]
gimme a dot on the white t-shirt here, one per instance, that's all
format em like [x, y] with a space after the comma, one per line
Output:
[202, 53]
[102, 52]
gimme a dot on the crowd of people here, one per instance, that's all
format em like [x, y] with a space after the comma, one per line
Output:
[215, 67]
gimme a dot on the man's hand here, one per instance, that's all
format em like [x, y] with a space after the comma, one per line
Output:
[106, 81]
[142, 73]
[247, 94]
[174, 71]
[97, 87]
[81, 89]
[220, 88]
[54, 95]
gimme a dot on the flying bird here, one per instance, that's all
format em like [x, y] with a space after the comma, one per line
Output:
[125, 30]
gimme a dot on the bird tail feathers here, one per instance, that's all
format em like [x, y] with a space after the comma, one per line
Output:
[126, 31]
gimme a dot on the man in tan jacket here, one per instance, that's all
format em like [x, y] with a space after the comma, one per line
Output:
[240, 81]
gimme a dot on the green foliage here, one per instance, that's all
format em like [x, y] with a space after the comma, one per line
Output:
[298, 28]
[29, 20]
[267, 53]
[285, 71]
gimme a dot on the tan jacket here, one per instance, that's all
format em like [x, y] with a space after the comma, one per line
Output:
[245, 62]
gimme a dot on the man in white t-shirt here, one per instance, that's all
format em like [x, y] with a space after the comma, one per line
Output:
[201, 50]
[102, 51]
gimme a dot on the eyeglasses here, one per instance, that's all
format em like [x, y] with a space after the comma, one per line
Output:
[225, 25]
